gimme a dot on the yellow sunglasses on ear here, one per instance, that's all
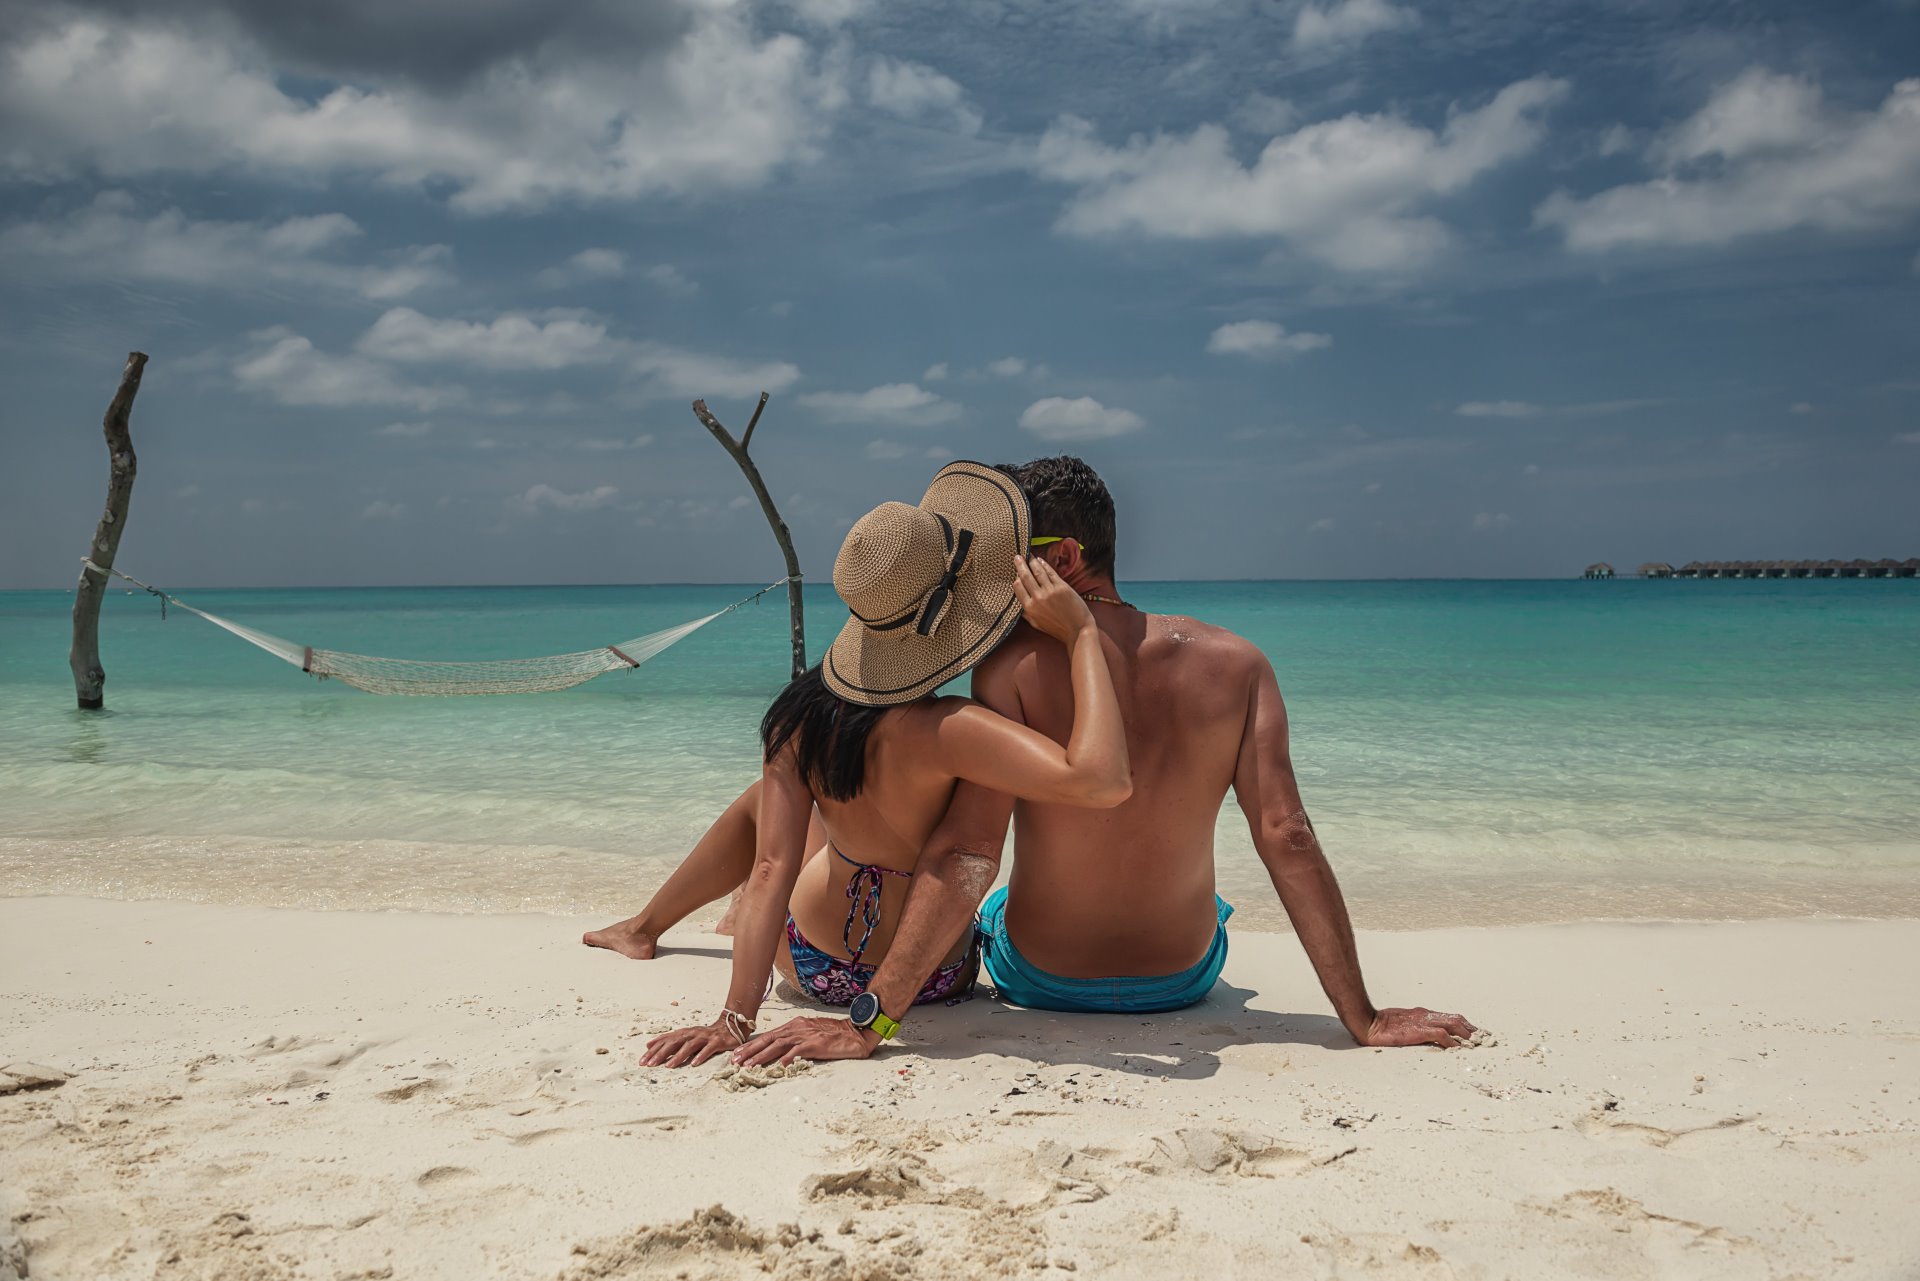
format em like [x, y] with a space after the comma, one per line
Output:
[1050, 538]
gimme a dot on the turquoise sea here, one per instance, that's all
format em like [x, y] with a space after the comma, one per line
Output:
[1472, 752]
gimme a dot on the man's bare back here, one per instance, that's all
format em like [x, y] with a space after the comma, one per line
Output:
[1128, 890]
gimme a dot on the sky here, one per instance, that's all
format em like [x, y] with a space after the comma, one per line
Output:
[1324, 289]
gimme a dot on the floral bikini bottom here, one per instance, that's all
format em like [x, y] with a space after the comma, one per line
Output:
[835, 980]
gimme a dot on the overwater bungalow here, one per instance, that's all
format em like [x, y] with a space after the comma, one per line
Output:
[1882, 568]
[1599, 569]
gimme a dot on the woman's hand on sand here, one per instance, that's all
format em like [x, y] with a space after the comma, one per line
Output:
[1418, 1026]
[807, 1038]
[690, 1046]
[1046, 601]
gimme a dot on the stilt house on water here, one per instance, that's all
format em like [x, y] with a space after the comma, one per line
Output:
[1886, 567]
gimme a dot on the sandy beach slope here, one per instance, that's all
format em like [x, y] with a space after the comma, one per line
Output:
[259, 1094]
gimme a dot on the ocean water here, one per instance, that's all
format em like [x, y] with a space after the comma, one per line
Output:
[1472, 752]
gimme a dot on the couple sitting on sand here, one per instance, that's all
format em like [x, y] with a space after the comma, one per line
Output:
[1108, 735]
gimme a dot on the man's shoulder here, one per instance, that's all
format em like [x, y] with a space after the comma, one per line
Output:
[1022, 643]
[1198, 637]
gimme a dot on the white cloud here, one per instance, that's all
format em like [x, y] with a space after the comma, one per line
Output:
[895, 404]
[1263, 340]
[678, 372]
[613, 444]
[1322, 526]
[1800, 407]
[717, 108]
[1347, 22]
[1491, 520]
[1261, 113]
[1617, 139]
[1766, 154]
[1346, 191]
[671, 280]
[1907, 438]
[286, 367]
[404, 431]
[381, 509]
[1057, 418]
[512, 341]
[110, 240]
[1499, 409]
[1007, 367]
[919, 93]
[547, 498]
[935, 373]
[586, 266]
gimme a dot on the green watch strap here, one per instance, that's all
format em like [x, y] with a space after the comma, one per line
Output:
[885, 1026]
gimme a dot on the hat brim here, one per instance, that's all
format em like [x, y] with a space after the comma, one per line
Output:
[880, 669]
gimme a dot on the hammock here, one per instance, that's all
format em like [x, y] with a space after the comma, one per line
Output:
[412, 676]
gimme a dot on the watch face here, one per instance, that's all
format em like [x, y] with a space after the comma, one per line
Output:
[864, 1010]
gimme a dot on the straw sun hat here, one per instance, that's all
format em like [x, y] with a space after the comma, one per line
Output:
[930, 587]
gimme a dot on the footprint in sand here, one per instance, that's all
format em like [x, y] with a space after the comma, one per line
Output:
[400, 1094]
[1600, 1124]
[1072, 1171]
[1241, 1152]
[717, 1245]
[901, 1178]
[279, 1045]
[1378, 1252]
[1664, 1234]
[444, 1174]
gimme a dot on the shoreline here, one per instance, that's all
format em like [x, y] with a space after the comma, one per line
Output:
[287, 1093]
[463, 878]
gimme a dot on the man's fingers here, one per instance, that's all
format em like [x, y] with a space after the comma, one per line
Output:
[1457, 1025]
[760, 1051]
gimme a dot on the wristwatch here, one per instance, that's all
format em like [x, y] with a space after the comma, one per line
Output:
[865, 1012]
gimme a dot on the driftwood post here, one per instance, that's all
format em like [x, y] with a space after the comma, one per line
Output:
[796, 616]
[89, 680]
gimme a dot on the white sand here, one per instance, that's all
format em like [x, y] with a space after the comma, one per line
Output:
[266, 1094]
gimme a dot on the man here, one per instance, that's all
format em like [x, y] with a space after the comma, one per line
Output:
[1115, 909]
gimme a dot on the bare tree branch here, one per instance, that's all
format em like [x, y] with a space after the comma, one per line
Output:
[737, 450]
[89, 679]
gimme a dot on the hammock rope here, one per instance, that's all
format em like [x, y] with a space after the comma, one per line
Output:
[379, 675]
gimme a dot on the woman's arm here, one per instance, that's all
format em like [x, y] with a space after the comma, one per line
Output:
[786, 805]
[1092, 769]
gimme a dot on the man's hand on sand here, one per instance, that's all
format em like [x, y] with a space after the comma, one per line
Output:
[690, 1046]
[1417, 1026]
[807, 1038]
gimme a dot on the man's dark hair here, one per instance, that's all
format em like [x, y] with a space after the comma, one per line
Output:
[1069, 500]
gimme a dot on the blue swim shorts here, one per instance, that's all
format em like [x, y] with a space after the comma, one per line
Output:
[1023, 983]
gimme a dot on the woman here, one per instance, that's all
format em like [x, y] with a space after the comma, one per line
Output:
[932, 589]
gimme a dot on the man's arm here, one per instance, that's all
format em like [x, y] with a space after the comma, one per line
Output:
[957, 867]
[1283, 835]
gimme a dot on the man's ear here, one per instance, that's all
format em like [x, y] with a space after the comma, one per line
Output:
[1065, 557]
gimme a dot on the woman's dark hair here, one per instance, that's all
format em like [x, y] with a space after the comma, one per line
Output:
[829, 734]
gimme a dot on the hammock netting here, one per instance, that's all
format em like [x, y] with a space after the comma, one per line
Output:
[440, 679]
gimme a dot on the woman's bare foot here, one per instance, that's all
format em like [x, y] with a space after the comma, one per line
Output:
[725, 924]
[626, 938]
